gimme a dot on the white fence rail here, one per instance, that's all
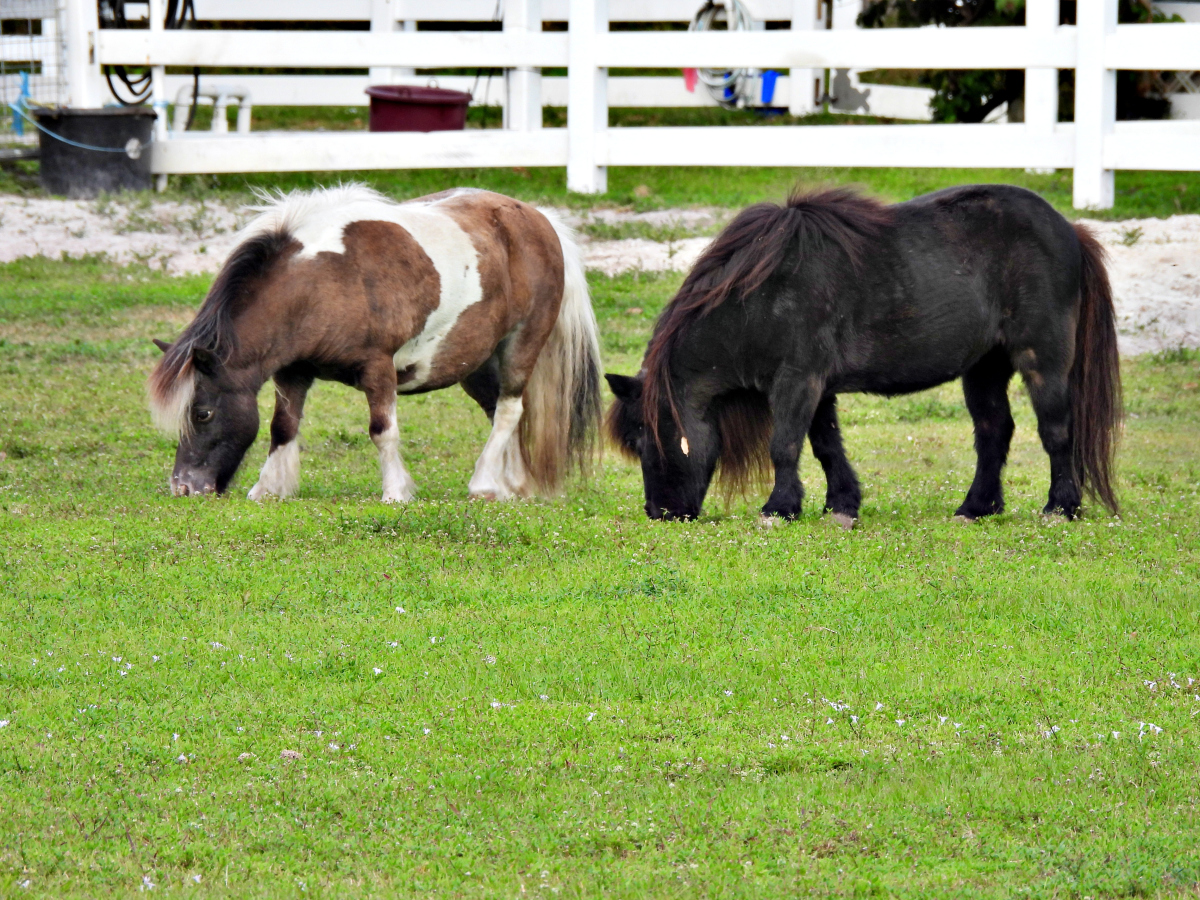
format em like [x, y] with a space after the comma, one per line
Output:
[1093, 145]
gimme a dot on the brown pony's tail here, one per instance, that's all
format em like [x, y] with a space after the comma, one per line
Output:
[1096, 410]
[559, 427]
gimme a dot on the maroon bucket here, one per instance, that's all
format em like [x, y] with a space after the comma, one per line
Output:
[396, 107]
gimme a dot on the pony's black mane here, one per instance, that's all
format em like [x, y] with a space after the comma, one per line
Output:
[749, 251]
[212, 327]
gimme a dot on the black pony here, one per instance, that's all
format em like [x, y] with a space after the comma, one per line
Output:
[833, 293]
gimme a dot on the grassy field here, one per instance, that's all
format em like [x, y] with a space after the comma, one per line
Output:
[331, 697]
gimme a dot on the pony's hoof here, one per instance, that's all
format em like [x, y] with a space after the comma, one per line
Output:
[844, 521]
[259, 493]
[966, 520]
[770, 521]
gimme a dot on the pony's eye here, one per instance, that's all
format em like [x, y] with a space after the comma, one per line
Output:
[203, 415]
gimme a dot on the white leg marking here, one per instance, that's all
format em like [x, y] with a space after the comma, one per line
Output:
[398, 485]
[280, 475]
[489, 481]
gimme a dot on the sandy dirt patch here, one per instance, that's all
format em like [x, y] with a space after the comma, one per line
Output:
[1154, 263]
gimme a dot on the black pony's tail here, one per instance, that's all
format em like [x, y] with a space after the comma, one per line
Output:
[1096, 410]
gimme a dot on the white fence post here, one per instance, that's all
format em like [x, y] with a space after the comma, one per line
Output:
[1095, 104]
[801, 102]
[587, 97]
[383, 18]
[523, 106]
[83, 71]
[1041, 84]
[158, 96]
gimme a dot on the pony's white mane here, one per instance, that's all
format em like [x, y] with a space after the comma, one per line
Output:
[278, 211]
[170, 413]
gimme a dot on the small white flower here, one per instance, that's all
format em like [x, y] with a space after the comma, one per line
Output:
[591, 716]
[900, 721]
[333, 746]
[24, 883]
[196, 878]
[116, 659]
[156, 658]
[1116, 735]
[728, 693]
[878, 707]
[829, 721]
[62, 668]
[854, 720]
[147, 884]
[377, 671]
[3, 723]
[543, 697]
[240, 729]
[957, 725]
[181, 759]
[399, 609]
[216, 645]
[942, 720]
[783, 737]
[426, 730]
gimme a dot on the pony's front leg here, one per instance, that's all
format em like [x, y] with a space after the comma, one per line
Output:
[280, 475]
[500, 471]
[793, 403]
[379, 384]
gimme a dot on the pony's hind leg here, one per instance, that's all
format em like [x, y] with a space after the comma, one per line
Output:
[280, 475]
[843, 496]
[985, 388]
[500, 472]
[793, 403]
[378, 382]
[1049, 393]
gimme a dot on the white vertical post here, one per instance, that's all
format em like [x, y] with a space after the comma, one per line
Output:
[83, 70]
[523, 106]
[802, 99]
[51, 62]
[587, 97]
[383, 19]
[1095, 104]
[158, 93]
[1041, 84]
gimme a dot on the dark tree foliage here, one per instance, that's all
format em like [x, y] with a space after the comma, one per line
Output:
[970, 95]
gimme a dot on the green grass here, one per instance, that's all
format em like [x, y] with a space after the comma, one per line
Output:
[1138, 194]
[574, 701]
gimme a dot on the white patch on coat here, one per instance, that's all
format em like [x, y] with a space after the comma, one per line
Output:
[500, 472]
[398, 485]
[318, 221]
[280, 475]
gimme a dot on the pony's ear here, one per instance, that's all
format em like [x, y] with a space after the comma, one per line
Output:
[624, 387]
[205, 361]
[161, 345]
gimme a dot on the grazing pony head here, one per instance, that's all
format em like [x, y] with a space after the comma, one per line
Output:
[682, 445]
[198, 393]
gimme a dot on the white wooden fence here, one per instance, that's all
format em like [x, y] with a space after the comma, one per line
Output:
[1094, 145]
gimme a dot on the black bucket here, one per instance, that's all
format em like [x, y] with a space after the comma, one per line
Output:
[94, 151]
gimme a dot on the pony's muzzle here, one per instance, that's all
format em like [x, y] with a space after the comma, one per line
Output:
[184, 484]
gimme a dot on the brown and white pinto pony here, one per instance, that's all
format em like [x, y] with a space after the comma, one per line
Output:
[463, 287]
